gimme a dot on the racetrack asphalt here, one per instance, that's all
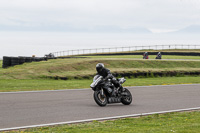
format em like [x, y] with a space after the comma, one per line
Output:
[43, 107]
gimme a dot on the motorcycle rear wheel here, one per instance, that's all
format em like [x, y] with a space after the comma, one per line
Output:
[99, 99]
[126, 100]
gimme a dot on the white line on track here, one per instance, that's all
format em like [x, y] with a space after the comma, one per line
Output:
[98, 119]
[87, 89]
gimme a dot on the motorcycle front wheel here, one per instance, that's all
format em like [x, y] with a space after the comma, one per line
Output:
[99, 99]
[126, 100]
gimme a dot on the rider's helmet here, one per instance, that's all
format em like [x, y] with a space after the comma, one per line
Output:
[99, 67]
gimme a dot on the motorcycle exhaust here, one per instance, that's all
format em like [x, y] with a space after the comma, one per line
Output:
[114, 100]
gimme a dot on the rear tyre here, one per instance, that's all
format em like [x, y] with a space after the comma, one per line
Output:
[99, 99]
[126, 100]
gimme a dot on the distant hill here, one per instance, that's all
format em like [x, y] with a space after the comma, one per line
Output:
[68, 28]
[190, 29]
[107, 28]
[137, 30]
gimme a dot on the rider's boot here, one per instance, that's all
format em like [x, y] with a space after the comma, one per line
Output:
[114, 93]
[121, 88]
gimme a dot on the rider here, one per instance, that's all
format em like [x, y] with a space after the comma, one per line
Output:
[102, 71]
[159, 55]
[145, 55]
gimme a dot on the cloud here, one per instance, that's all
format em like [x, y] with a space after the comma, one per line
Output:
[88, 14]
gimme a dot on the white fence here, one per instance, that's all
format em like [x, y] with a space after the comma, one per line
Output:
[122, 49]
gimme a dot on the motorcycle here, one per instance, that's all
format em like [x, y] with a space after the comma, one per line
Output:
[159, 56]
[101, 95]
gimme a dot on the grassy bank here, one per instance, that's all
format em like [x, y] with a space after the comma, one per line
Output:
[184, 122]
[42, 84]
[83, 68]
[151, 51]
[141, 56]
[79, 72]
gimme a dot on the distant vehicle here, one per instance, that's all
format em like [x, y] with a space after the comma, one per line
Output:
[145, 55]
[159, 56]
[50, 55]
[102, 97]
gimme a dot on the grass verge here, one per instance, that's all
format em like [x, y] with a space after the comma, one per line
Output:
[41, 84]
[184, 122]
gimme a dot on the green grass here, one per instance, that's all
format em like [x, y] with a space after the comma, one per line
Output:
[73, 68]
[36, 75]
[184, 122]
[179, 57]
[1, 61]
[150, 57]
[42, 84]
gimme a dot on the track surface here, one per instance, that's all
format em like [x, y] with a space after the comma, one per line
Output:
[34, 108]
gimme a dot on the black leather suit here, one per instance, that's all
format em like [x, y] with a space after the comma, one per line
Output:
[107, 75]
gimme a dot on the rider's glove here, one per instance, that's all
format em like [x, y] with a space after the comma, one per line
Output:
[109, 76]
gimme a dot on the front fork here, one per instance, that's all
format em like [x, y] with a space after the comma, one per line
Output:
[102, 93]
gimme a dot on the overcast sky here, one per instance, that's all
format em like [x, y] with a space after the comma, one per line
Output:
[156, 15]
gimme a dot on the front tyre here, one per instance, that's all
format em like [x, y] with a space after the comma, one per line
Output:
[99, 99]
[126, 99]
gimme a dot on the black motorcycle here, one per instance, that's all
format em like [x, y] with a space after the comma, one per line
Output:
[159, 56]
[101, 95]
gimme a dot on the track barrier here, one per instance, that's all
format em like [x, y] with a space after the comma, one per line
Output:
[12, 61]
